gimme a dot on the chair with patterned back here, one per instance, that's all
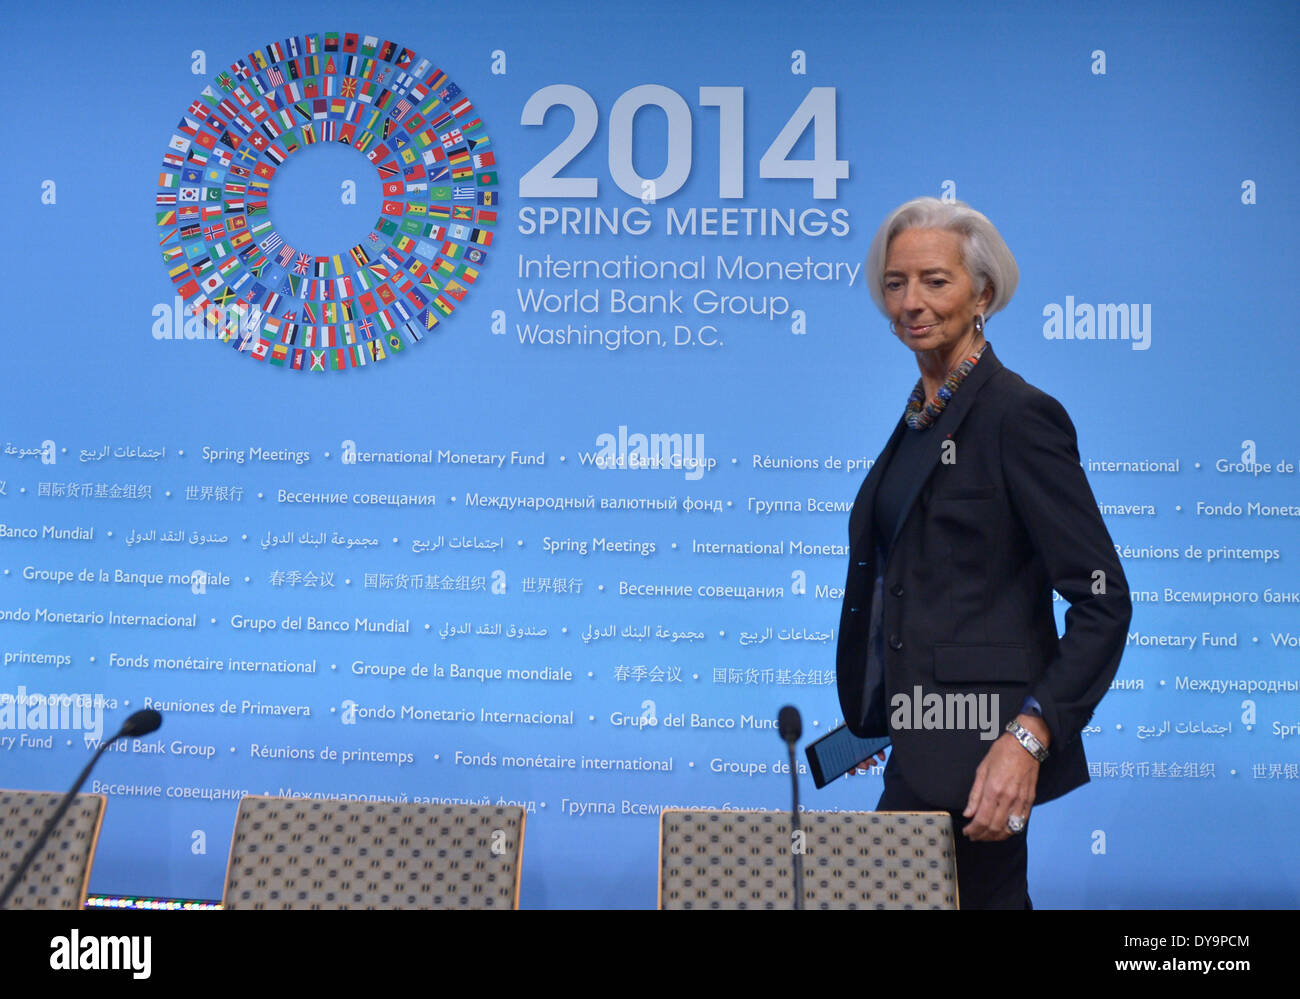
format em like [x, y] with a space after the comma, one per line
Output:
[296, 853]
[58, 876]
[851, 860]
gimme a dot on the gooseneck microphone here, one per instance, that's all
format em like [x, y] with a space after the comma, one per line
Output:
[138, 724]
[790, 727]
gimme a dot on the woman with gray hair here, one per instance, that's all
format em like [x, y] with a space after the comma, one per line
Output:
[975, 512]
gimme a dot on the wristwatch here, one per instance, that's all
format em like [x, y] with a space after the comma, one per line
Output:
[1027, 739]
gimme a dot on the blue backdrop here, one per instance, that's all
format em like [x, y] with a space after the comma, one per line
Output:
[447, 566]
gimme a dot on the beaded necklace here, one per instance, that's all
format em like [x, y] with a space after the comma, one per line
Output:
[919, 418]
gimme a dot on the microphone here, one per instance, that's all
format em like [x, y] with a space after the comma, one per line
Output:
[790, 726]
[141, 723]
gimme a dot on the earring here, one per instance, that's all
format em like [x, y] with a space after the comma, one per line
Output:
[979, 323]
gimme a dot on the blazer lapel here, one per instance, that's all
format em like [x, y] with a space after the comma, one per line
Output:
[945, 427]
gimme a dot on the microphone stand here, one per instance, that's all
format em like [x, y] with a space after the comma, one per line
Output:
[127, 729]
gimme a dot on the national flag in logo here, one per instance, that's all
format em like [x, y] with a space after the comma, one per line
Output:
[443, 306]
[487, 179]
[481, 236]
[484, 160]
[485, 218]
[301, 264]
[467, 274]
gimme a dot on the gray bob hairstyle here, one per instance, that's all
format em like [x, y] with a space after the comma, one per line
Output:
[984, 252]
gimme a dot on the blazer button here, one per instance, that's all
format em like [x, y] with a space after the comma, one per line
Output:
[896, 589]
[853, 610]
[895, 642]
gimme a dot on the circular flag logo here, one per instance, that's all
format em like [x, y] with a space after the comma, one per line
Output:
[357, 304]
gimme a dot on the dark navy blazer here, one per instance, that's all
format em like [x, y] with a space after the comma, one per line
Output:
[998, 516]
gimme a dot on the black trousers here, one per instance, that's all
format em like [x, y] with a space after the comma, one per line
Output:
[989, 875]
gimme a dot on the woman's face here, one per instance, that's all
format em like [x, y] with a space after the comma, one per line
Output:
[928, 293]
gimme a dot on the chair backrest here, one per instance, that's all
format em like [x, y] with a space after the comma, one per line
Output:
[851, 860]
[58, 876]
[298, 853]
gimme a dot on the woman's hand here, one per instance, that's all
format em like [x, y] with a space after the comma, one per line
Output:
[866, 764]
[1005, 783]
